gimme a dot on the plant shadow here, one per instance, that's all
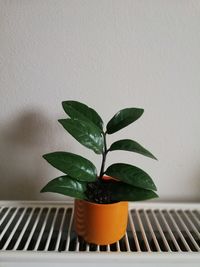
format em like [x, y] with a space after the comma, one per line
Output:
[22, 143]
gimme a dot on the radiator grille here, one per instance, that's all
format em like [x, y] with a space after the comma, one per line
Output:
[48, 227]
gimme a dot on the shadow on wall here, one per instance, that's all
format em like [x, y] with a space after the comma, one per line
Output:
[22, 143]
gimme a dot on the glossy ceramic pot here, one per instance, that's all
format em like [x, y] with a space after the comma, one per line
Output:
[100, 224]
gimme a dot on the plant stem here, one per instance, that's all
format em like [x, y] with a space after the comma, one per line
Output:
[104, 154]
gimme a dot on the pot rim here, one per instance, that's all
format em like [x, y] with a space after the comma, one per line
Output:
[97, 204]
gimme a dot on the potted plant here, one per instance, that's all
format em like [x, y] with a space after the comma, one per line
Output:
[101, 200]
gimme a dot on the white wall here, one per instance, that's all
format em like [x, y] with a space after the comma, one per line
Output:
[110, 55]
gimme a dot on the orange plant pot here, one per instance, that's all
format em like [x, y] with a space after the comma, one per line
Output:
[100, 224]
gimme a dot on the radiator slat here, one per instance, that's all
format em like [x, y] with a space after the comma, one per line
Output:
[69, 232]
[5, 214]
[51, 231]
[9, 222]
[41, 230]
[191, 240]
[32, 231]
[172, 239]
[51, 228]
[162, 240]
[152, 232]
[127, 243]
[196, 222]
[14, 229]
[177, 229]
[134, 232]
[60, 230]
[194, 231]
[24, 229]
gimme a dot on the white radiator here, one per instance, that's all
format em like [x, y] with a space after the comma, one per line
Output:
[42, 234]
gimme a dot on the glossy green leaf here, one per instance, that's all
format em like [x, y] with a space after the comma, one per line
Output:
[85, 133]
[130, 145]
[124, 192]
[123, 118]
[74, 165]
[67, 186]
[131, 175]
[77, 110]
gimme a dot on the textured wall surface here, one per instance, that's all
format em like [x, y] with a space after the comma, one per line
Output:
[110, 55]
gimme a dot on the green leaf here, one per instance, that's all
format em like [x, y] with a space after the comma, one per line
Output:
[123, 118]
[131, 175]
[66, 185]
[85, 133]
[74, 165]
[130, 145]
[125, 192]
[77, 110]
